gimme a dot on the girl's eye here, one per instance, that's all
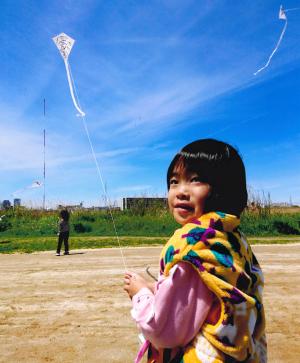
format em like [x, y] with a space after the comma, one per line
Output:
[195, 179]
[173, 181]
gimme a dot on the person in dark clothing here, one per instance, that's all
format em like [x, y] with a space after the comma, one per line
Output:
[63, 232]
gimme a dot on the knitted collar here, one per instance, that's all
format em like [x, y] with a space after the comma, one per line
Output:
[218, 220]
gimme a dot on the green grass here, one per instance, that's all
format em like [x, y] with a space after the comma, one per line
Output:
[23, 230]
[38, 223]
[270, 224]
[30, 223]
[36, 244]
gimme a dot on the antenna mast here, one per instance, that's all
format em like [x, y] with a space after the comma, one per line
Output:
[44, 174]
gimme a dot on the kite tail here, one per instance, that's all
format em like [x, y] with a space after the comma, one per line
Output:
[274, 51]
[81, 113]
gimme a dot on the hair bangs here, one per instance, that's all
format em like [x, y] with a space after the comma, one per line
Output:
[185, 162]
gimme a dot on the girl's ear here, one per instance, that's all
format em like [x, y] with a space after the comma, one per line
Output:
[210, 200]
[210, 191]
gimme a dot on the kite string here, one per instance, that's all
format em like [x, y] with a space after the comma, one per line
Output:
[275, 49]
[291, 9]
[98, 168]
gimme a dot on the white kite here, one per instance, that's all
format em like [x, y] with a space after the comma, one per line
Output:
[36, 184]
[33, 185]
[64, 44]
[281, 16]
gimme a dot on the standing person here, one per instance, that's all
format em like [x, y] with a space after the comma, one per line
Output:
[63, 232]
[207, 304]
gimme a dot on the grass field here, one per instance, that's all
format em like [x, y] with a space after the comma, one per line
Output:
[23, 230]
[35, 244]
[153, 223]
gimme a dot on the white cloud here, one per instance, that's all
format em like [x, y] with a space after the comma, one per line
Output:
[20, 149]
[157, 109]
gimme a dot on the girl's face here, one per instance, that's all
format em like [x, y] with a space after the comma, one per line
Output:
[187, 196]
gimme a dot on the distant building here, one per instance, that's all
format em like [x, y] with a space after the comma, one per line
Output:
[17, 202]
[6, 204]
[283, 205]
[105, 208]
[71, 207]
[131, 203]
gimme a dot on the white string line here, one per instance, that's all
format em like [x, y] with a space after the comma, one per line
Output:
[275, 49]
[292, 9]
[98, 170]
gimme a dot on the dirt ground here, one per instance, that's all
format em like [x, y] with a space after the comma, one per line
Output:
[73, 309]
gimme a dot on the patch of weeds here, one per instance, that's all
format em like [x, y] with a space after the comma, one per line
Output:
[82, 228]
[285, 228]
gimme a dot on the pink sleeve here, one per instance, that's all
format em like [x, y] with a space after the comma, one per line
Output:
[173, 315]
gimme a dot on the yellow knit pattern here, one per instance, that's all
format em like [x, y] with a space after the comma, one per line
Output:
[217, 250]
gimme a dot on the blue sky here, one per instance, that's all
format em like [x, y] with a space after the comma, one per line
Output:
[151, 77]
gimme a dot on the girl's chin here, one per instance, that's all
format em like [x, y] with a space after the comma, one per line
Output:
[183, 219]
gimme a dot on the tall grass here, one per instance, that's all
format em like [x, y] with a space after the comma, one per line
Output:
[258, 221]
[272, 224]
[25, 222]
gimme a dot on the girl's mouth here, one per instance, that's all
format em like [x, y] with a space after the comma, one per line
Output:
[183, 207]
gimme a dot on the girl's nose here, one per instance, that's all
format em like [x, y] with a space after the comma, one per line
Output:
[182, 191]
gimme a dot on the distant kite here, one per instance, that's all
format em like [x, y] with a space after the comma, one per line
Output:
[64, 44]
[33, 185]
[36, 184]
[281, 16]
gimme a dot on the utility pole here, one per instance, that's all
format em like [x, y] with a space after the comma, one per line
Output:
[44, 174]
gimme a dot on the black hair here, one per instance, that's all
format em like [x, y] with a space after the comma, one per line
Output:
[219, 165]
[64, 214]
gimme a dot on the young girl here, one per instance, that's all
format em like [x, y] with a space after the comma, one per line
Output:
[63, 232]
[207, 304]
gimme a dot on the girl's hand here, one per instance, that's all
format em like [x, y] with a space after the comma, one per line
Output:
[133, 283]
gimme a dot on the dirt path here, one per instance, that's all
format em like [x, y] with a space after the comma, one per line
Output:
[72, 309]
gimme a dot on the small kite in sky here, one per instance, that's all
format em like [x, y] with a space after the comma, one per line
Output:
[64, 44]
[36, 184]
[33, 185]
[281, 16]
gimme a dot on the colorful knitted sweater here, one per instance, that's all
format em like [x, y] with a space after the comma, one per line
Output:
[225, 262]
